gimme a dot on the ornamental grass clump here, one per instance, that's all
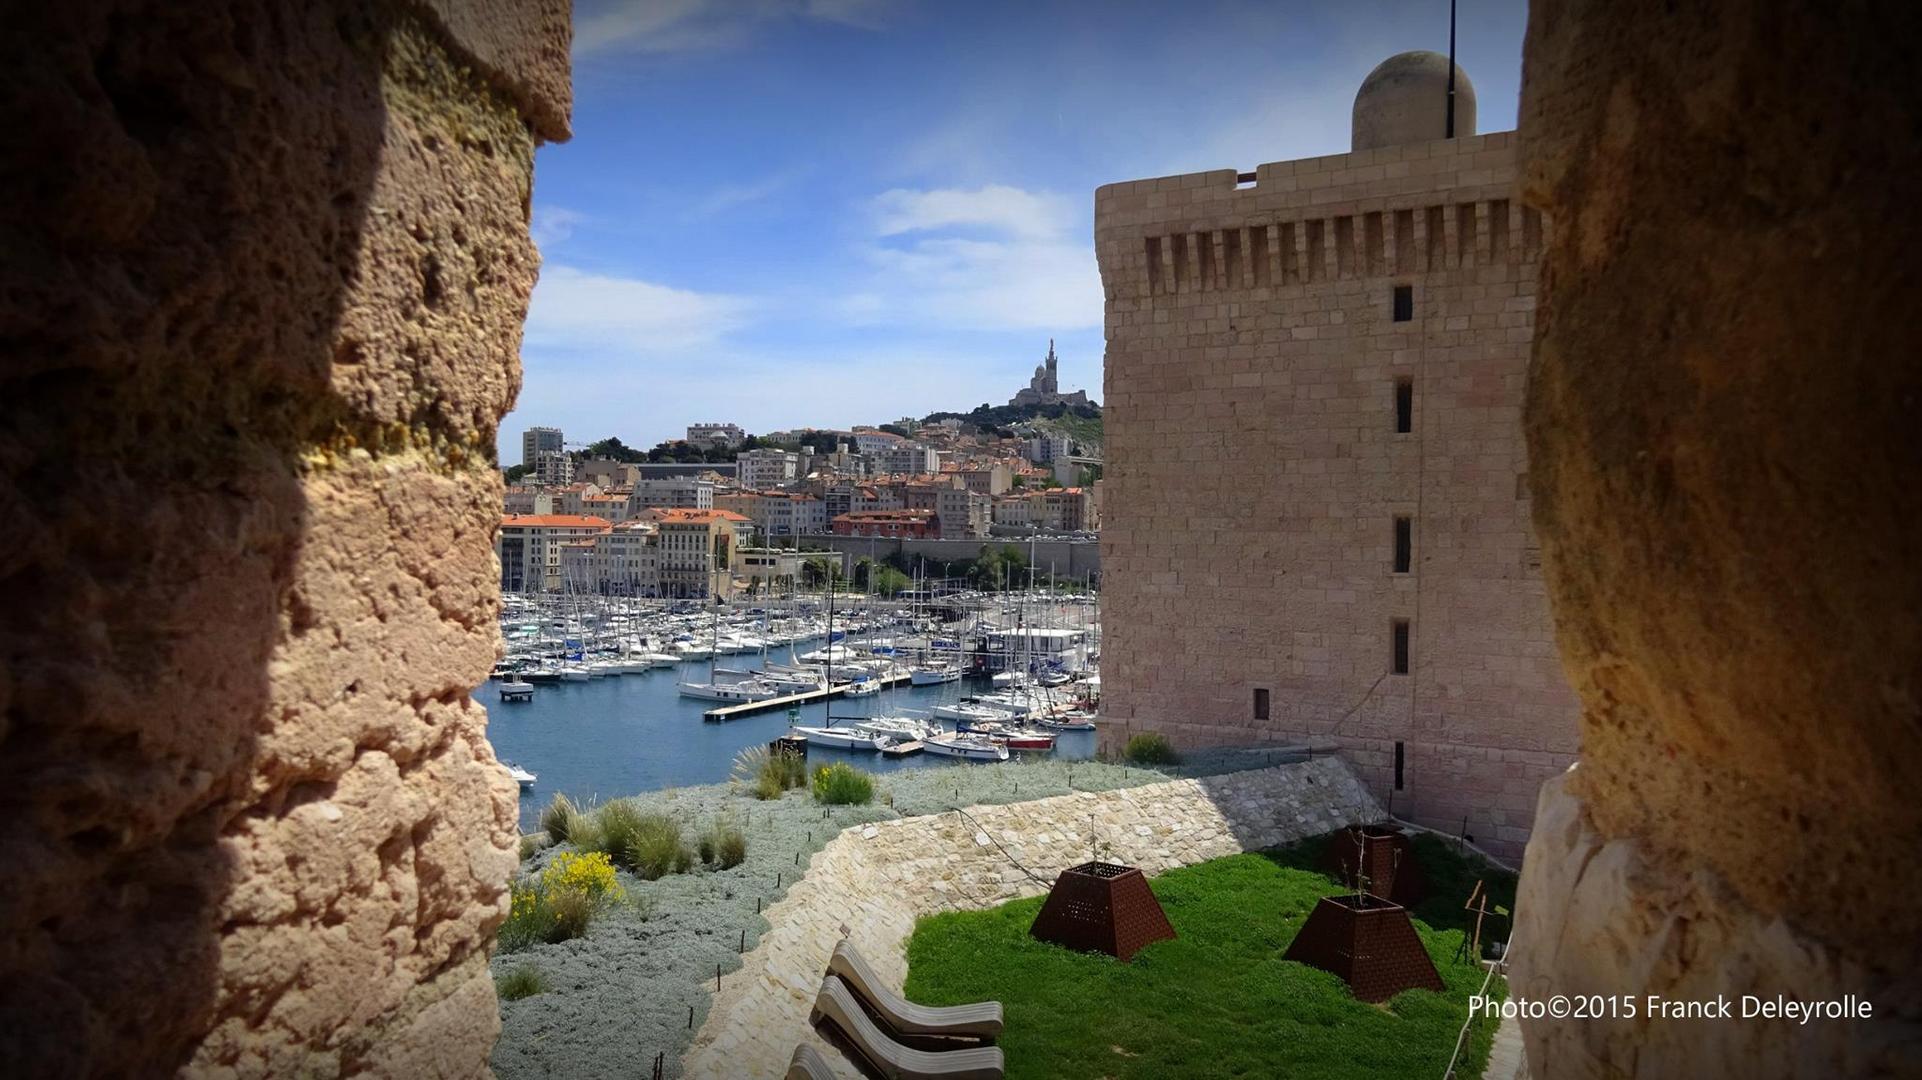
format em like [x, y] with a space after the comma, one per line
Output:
[562, 902]
[615, 827]
[1150, 748]
[566, 823]
[723, 845]
[655, 849]
[841, 784]
[769, 775]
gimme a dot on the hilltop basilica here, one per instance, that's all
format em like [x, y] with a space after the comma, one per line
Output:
[1043, 389]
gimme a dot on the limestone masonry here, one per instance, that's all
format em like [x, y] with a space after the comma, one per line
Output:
[264, 288]
[1317, 510]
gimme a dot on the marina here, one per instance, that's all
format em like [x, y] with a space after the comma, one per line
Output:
[593, 698]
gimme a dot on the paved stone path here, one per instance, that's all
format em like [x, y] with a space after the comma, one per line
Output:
[872, 882]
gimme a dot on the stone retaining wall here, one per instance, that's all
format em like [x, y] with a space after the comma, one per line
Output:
[873, 882]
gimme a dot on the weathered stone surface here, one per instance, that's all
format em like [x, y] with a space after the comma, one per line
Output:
[267, 265]
[1601, 918]
[1721, 435]
[871, 884]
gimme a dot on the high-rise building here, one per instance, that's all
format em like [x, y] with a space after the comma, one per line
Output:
[1353, 331]
[536, 441]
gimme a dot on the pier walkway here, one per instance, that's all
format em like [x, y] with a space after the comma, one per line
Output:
[729, 712]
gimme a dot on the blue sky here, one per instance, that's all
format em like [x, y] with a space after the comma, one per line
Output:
[793, 212]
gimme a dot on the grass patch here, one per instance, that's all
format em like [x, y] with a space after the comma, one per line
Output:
[1218, 1001]
[723, 845]
[523, 982]
[1150, 748]
[841, 784]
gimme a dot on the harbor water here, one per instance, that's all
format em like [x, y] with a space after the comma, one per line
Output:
[625, 734]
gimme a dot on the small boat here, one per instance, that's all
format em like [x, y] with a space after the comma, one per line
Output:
[862, 686]
[846, 738]
[575, 673]
[521, 776]
[515, 689]
[542, 676]
[1068, 722]
[1053, 677]
[965, 747]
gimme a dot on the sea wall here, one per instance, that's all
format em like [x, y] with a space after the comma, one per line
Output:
[872, 883]
[266, 271]
[1720, 419]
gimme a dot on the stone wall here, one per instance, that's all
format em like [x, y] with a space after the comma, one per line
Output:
[872, 883]
[266, 269]
[1721, 421]
[1255, 472]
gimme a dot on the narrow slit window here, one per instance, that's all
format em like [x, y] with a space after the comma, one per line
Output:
[1399, 760]
[1399, 630]
[1404, 406]
[1154, 264]
[1258, 253]
[1261, 703]
[1178, 247]
[1404, 544]
[1404, 303]
[1231, 256]
[1205, 252]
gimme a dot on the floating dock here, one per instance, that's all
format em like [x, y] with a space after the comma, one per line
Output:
[729, 712]
[902, 749]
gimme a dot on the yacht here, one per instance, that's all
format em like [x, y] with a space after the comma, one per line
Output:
[575, 673]
[862, 686]
[740, 692]
[1071, 721]
[967, 712]
[847, 738]
[965, 747]
[521, 776]
[899, 728]
[933, 674]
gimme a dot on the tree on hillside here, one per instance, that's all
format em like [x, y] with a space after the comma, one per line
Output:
[514, 473]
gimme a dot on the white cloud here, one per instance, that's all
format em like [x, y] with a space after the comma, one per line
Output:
[669, 26]
[991, 258]
[552, 225]
[574, 310]
[995, 207]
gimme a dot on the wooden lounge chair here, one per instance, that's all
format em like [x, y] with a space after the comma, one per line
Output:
[843, 1019]
[808, 1064]
[927, 1027]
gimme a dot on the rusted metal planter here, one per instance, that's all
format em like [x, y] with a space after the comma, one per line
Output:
[1369, 943]
[1380, 855]
[1102, 907]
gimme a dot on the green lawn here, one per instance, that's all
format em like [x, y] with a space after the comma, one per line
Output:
[1218, 1001]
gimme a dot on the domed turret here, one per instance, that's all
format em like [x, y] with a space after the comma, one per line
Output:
[1405, 100]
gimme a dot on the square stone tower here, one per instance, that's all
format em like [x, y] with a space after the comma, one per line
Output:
[1317, 524]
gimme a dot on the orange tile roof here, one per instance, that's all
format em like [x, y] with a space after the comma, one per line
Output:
[692, 516]
[581, 521]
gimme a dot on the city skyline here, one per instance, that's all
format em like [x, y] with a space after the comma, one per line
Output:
[701, 260]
